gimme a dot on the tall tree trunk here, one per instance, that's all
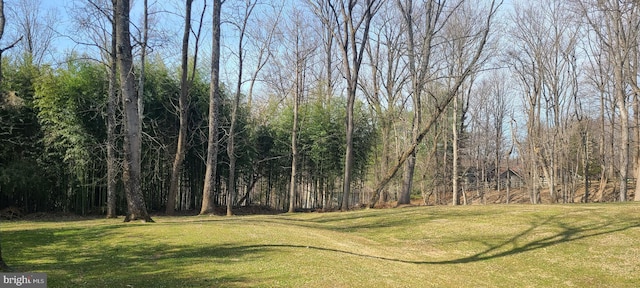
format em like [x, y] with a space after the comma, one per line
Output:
[294, 130]
[143, 56]
[231, 184]
[214, 104]
[602, 149]
[294, 156]
[624, 141]
[112, 103]
[585, 162]
[131, 166]
[183, 106]
[636, 195]
[535, 178]
[328, 55]
[348, 158]
[352, 54]
[454, 173]
[418, 72]
[143, 61]
[636, 136]
[508, 184]
[407, 179]
[500, 111]
[621, 99]
[498, 161]
[631, 73]
[231, 148]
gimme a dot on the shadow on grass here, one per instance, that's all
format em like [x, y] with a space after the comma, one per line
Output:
[556, 231]
[84, 257]
[522, 242]
[377, 218]
[527, 240]
[88, 257]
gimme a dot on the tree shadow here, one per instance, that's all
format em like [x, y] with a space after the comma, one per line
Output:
[374, 219]
[80, 257]
[522, 242]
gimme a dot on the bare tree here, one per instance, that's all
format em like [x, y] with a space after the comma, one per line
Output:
[560, 88]
[231, 138]
[480, 40]
[262, 34]
[543, 57]
[143, 61]
[327, 25]
[183, 107]
[460, 29]
[213, 119]
[499, 108]
[299, 42]
[13, 44]
[261, 37]
[488, 111]
[95, 27]
[37, 29]
[384, 88]
[616, 23]
[132, 158]
[632, 70]
[351, 21]
[422, 23]
[598, 76]
[526, 64]
[297, 94]
[112, 103]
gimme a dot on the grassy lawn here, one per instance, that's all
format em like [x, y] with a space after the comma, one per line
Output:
[596, 245]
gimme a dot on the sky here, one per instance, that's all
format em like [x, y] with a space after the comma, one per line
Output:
[64, 26]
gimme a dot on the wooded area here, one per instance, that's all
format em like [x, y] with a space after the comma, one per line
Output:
[170, 106]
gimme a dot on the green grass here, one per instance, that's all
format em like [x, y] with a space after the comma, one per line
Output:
[474, 246]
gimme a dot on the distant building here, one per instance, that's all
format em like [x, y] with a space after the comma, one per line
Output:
[512, 178]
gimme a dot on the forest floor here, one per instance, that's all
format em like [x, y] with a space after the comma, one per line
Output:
[609, 193]
[561, 245]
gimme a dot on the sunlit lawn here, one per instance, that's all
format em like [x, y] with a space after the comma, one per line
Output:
[474, 246]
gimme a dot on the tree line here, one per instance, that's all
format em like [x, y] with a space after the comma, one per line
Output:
[321, 104]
